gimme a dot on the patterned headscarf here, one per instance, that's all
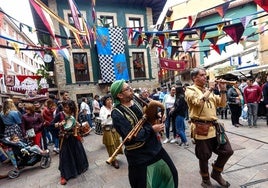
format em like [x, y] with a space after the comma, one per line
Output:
[116, 88]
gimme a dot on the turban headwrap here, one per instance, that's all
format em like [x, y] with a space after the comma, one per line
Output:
[116, 88]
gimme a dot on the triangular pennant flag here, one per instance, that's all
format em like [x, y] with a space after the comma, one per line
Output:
[140, 29]
[30, 29]
[148, 36]
[200, 32]
[213, 40]
[139, 41]
[67, 31]
[235, 31]
[16, 47]
[154, 43]
[192, 20]
[169, 50]
[222, 47]
[216, 48]
[170, 25]
[75, 14]
[87, 37]
[174, 49]
[263, 4]
[136, 36]
[206, 53]
[162, 39]
[243, 41]
[45, 17]
[65, 53]
[130, 33]
[220, 27]
[181, 36]
[222, 9]
[186, 45]
[54, 53]
[78, 40]
[245, 20]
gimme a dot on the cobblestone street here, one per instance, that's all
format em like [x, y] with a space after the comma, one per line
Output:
[248, 167]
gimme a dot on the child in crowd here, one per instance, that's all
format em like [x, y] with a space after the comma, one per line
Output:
[35, 148]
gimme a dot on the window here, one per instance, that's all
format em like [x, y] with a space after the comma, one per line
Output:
[135, 22]
[71, 22]
[107, 21]
[81, 66]
[138, 64]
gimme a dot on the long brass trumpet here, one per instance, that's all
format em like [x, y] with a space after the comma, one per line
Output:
[226, 82]
[130, 135]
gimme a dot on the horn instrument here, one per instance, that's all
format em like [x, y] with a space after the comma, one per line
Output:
[150, 115]
[226, 82]
[130, 135]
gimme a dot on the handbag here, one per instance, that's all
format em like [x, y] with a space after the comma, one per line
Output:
[201, 128]
[220, 133]
[30, 133]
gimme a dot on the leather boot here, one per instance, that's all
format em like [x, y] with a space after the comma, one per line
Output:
[216, 175]
[205, 180]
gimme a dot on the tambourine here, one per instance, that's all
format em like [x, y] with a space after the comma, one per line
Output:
[70, 123]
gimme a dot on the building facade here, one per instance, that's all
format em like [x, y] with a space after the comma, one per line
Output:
[82, 75]
[15, 59]
[230, 57]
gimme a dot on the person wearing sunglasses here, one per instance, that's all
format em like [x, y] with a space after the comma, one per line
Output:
[148, 162]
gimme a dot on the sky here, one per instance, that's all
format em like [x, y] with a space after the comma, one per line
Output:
[169, 3]
[19, 10]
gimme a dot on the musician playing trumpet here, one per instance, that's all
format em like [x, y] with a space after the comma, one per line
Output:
[149, 164]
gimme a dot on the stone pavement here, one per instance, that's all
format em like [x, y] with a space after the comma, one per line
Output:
[247, 168]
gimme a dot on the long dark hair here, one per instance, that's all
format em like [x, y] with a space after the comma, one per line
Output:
[179, 92]
[72, 105]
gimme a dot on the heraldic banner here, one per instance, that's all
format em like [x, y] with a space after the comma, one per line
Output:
[169, 64]
[111, 54]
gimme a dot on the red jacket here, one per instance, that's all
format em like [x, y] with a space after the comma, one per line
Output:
[252, 94]
[47, 115]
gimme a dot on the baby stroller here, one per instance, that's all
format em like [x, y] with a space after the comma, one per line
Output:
[22, 156]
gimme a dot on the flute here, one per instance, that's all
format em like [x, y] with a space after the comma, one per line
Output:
[226, 82]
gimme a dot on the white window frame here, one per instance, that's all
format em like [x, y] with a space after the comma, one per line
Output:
[128, 16]
[146, 63]
[108, 14]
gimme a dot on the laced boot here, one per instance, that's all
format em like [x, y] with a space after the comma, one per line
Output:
[205, 180]
[216, 175]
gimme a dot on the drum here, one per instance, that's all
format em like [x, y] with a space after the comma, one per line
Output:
[98, 128]
[70, 122]
[84, 129]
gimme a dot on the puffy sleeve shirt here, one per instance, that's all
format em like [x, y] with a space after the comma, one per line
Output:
[105, 115]
[206, 111]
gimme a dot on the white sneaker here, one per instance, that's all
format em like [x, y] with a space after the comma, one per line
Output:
[174, 140]
[56, 150]
[186, 145]
[166, 140]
